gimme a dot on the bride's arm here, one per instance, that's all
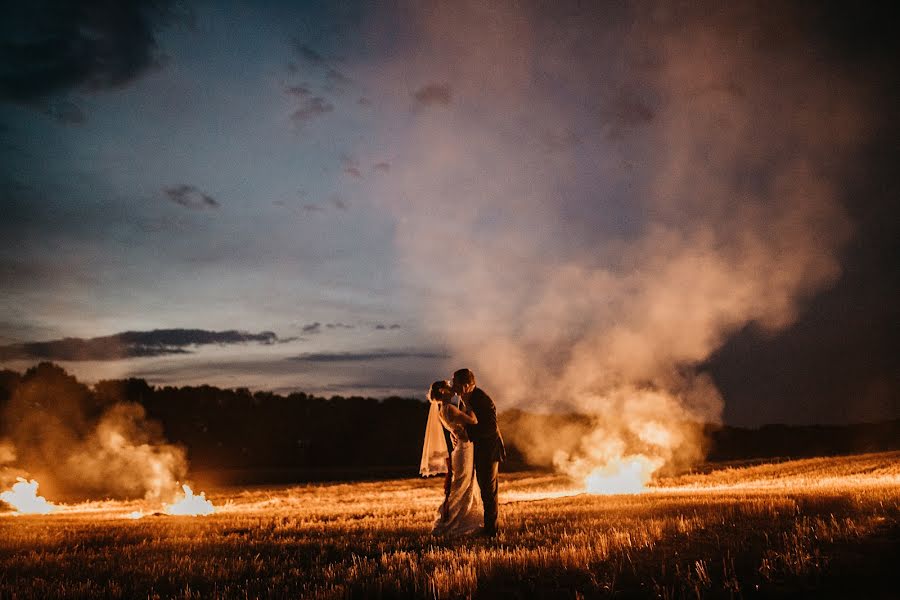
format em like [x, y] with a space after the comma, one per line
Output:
[467, 418]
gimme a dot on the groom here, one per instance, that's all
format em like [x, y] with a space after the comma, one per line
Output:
[485, 435]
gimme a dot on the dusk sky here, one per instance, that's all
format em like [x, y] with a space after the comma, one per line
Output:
[572, 201]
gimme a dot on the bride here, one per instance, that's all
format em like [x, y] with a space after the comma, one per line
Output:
[461, 511]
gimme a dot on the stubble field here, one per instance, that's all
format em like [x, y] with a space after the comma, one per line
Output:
[818, 527]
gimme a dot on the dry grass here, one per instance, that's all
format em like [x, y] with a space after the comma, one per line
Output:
[816, 526]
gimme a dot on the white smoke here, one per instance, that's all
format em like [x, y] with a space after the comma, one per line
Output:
[7, 452]
[77, 445]
[605, 198]
[125, 457]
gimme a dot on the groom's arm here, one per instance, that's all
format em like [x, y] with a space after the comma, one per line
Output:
[484, 409]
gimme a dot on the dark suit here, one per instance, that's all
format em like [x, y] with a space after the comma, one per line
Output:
[489, 451]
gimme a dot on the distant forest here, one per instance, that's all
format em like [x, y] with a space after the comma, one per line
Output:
[303, 437]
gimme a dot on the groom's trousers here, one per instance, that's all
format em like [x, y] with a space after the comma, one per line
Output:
[487, 474]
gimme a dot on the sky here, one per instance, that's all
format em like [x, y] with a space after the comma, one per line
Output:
[578, 202]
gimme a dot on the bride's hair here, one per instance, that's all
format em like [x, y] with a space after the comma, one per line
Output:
[437, 389]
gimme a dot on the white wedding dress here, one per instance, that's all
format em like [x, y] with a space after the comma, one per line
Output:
[462, 512]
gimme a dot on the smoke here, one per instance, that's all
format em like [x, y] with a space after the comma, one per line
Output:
[606, 195]
[78, 445]
[7, 452]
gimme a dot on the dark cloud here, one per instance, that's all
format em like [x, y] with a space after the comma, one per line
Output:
[363, 101]
[317, 327]
[351, 166]
[22, 328]
[190, 197]
[51, 47]
[335, 80]
[631, 111]
[383, 167]
[312, 328]
[311, 108]
[382, 326]
[433, 94]
[333, 201]
[307, 53]
[130, 344]
[298, 90]
[627, 111]
[67, 113]
[329, 357]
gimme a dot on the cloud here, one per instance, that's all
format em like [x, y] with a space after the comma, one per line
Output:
[382, 167]
[382, 326]
[340, 357]
[190, 197]
[335, 200]
[298, 90]
[67, 113]
[433, 94]
[317, 327]
[307, 53]
[312, 328]
[631, 111]
[130, 344]
[49, 48]
[311, 108]
[336, 81]
[351, 166]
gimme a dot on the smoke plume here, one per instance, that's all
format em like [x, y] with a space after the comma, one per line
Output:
[78, 445]
[607, 196]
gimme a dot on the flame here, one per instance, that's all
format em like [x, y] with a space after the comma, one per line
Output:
[626, 475]
[191, 504]
[23, 497]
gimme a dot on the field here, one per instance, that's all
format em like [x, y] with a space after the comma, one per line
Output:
[817, 527]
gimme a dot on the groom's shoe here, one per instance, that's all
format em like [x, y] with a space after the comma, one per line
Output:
[488, 533]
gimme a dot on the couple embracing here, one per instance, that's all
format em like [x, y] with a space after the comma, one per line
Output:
[468, 414]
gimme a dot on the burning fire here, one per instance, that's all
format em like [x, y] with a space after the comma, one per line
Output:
[23, 497]
[606, 465]
[191, 504]
[626, 475]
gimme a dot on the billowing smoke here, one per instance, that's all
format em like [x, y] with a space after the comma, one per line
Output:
[78, 445]
[7, 452]
[603, 196]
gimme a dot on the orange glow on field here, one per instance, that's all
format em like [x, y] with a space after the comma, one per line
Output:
[626, 475]
[23, 497]
[190, 505]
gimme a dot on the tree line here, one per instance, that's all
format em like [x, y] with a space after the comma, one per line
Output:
[242, 430]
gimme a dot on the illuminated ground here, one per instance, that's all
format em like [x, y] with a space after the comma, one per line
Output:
[820, 527]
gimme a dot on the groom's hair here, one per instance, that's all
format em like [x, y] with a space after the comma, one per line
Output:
[465, 377]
